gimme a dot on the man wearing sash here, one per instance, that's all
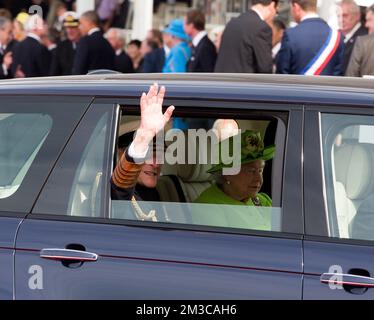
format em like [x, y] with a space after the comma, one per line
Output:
[312, 47]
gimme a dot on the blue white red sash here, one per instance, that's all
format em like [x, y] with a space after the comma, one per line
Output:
[323, 57]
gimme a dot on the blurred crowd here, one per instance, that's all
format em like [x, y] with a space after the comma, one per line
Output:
[60, 42]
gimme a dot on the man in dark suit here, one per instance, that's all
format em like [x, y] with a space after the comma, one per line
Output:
[93, 51]
[247, 41]
[312, 47]
[350, 25]
[154, 61]
[117, 40]
[204, 54]
[30, 57]
[62, 62]
[362, 59]
[6, 47]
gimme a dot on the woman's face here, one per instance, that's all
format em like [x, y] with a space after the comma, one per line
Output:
[133, 51]
[246, 184]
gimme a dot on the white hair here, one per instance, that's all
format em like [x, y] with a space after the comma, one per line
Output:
[4, 22]
[119, 34]
[354, 6]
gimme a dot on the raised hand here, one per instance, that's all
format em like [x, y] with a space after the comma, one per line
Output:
[152, 119]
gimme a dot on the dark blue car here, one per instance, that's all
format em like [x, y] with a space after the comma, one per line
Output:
[62, 236]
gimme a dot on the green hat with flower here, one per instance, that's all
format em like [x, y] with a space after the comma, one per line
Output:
[251, 148]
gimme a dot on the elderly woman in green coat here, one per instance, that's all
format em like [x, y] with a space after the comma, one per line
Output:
[235, 200]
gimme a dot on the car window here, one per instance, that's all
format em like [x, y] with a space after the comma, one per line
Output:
[33, 132]
[193, 190]
[185, 191]
[21, 137]
[348, 156]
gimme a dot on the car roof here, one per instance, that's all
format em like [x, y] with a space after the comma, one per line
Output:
[255, 87]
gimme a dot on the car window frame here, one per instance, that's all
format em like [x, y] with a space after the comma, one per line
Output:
[95, 110]
[316, 208]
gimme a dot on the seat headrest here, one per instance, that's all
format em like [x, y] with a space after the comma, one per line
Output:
[198, 159]
[354, 168]
[194, 172]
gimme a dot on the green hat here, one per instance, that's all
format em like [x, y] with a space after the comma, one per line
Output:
[251, 146]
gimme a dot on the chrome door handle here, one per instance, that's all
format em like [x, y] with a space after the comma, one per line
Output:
[347, 279]
[67, 254]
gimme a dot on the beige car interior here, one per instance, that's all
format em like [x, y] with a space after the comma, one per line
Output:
[185, 182]
[353, 181]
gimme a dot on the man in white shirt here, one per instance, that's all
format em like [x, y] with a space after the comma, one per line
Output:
[349, 15]
[312, 47]
[278, 27]
[247, 41]
[362, 58]
[93, 51]
[6, 47]
[117, 40]
[31, 57]
[204, 54]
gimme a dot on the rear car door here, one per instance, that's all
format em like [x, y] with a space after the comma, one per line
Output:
[339, 171]
[87, 246]
[32, 135]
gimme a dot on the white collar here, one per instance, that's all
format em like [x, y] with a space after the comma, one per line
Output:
[167, 50]
[52, 46]
[259, 13]
[350, 34]
[276, 49]
[34, 36]
[118, 52]
[310, 15]
[196, 40]
[93, 30]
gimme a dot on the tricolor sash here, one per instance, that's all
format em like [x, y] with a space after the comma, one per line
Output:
[323, 57]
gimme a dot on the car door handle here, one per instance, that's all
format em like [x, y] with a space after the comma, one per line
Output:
[347, 279]
[68, 254]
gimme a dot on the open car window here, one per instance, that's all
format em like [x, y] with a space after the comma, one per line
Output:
[186, 193]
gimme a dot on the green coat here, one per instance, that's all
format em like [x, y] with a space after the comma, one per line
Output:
[218, 209]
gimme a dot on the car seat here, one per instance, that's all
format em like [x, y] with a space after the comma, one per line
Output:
[353, 181]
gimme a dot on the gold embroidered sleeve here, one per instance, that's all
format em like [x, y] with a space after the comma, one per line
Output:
[126, 173]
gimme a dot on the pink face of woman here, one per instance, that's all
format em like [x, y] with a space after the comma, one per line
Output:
[248, 183]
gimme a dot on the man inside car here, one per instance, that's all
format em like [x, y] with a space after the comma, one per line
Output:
[136, 176]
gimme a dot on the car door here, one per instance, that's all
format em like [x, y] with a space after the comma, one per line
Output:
[338, 248]
[32, 134]
[84, 249]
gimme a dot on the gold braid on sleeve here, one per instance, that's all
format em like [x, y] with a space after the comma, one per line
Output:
[126, 173]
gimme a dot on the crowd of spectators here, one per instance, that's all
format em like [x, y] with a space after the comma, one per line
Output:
[59, 42]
